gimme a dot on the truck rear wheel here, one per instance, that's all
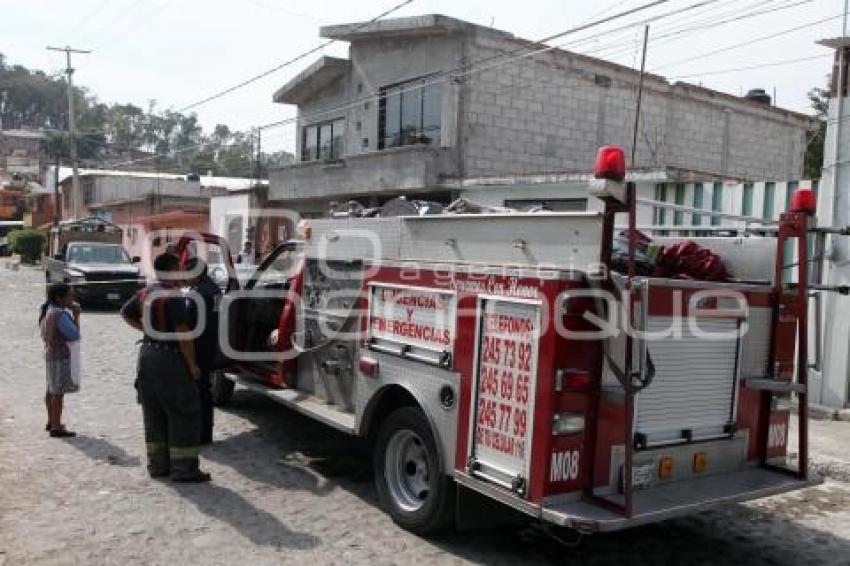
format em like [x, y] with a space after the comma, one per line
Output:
[409, 474]
[222, 388]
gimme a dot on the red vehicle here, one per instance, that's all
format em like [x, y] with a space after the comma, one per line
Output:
[488, 353]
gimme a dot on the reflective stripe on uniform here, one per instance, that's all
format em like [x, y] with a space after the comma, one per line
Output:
[155, 447]
[182, 453]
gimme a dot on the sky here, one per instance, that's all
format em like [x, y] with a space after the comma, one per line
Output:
[172, 53]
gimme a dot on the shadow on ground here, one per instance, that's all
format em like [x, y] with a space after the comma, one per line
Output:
[307, 455]
[101, 450]
[260, 527]
[301, 453]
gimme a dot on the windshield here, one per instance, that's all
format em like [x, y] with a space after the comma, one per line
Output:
[97, 254]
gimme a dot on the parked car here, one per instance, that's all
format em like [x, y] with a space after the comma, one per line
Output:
[100, 273]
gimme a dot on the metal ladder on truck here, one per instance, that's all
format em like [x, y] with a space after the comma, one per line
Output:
[790, 301]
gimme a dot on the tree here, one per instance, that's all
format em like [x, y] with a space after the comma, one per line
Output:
[28, 243]
[813, 159]
[109, 133]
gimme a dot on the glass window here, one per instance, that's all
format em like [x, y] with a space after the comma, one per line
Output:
[325, 140]
[769, 200]
[410, 113]
[660, 196]
[390, 119]
[717, 203]
[278, 273]
[789, 191]
[432, 111]
[310, 145]
[679, 216]
[747, 200]
[697, 219]
[338, 145]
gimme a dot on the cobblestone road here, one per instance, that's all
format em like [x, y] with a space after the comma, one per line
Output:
[286, 489]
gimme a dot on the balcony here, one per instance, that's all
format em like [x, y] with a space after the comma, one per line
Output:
[393, 171]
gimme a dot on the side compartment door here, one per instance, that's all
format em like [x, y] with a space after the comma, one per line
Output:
[504, 382]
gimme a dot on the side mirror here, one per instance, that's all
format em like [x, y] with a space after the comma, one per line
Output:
[60, 257]
[135, 259]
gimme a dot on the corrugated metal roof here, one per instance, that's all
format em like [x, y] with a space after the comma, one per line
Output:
[228, 183]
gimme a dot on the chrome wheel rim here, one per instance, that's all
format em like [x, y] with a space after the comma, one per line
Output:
[406, 467]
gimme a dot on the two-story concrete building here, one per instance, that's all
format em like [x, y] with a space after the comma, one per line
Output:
[434, 107]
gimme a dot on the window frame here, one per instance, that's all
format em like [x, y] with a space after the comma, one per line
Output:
[318, 126]
[768, 206]
[419, 87]
[696, 220]
[679, 199]
[717, 203]
[747, 200]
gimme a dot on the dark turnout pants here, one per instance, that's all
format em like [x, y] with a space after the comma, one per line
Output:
[171, 411]
[205, 391]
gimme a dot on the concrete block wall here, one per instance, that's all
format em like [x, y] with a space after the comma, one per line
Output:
[552, 111]
[376, 64]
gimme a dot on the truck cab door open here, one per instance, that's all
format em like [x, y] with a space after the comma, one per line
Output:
[257, 326]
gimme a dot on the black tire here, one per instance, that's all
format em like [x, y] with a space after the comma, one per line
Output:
[222, 389]
[435, 510]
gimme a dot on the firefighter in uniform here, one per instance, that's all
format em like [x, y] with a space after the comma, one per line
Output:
[167, 375]
[206, 345]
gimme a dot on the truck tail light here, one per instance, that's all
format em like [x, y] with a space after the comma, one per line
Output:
[665, 468]
[573, 380]
[610, 163]
[803, 200]
[567, 423]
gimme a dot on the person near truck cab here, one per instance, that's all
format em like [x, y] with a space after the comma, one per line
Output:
[246, 257]
[60, 327]
[206, 345]
[167, 375]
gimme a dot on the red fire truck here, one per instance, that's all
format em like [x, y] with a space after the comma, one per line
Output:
[499, 354]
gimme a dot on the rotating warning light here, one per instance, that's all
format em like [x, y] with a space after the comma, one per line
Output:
[803, 200]
[610, 163]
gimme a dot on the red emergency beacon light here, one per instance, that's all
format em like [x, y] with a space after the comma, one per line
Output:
[610, 163]
[804, 200]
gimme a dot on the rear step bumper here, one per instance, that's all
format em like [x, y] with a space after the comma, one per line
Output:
[675, 500]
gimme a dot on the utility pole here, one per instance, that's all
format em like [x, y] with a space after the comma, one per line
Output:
[75, 181]
[258, 164]
[639, 94]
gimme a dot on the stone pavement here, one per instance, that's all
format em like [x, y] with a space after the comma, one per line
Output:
[286, 489]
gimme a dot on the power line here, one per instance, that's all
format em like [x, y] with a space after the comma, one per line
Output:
[465, 70]
[295, 59]
[747, 43]
[499, 60]
[707, 24]
[445, 73]
[511, 55]
[752, 67]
